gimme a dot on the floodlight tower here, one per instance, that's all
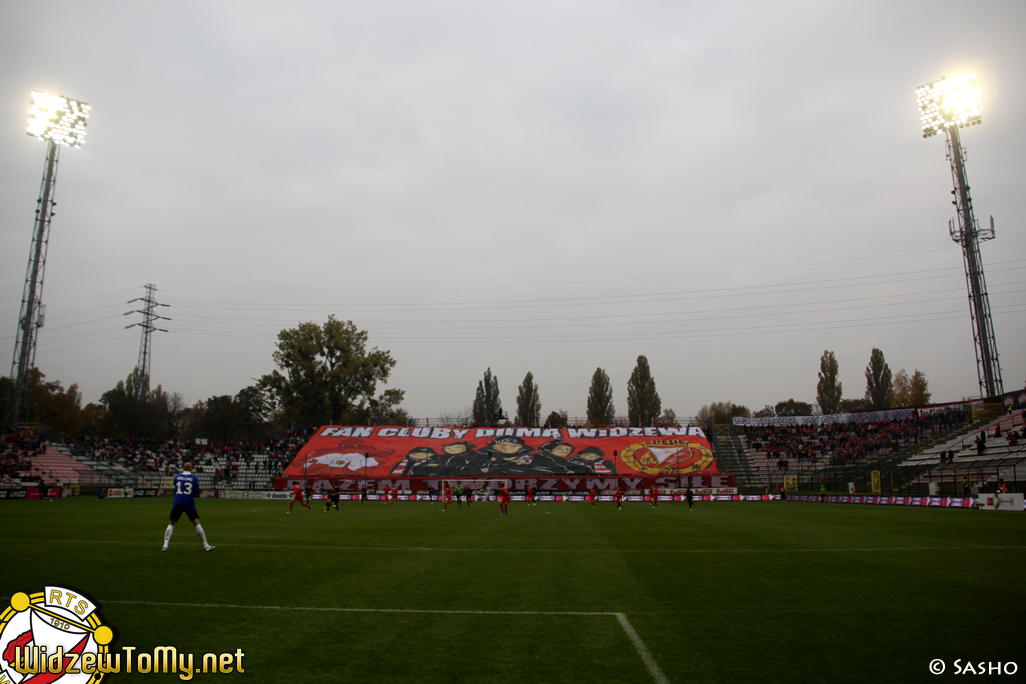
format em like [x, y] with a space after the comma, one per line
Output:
[948, 105]
[59, 121]
[142, 366]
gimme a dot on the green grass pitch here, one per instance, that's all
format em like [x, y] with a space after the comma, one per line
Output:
[731, 592]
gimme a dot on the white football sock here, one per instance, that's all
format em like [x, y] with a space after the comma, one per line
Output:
[202, 534]
[167, 533]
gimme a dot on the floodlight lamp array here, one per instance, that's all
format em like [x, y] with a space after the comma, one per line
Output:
[58, 118]
[949, 102]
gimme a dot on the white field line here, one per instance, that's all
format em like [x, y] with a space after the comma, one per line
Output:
[363, 610]
[327, 547]
[646, 656]
[639, 646]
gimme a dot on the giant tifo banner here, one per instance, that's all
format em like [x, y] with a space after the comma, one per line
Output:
[543, 458]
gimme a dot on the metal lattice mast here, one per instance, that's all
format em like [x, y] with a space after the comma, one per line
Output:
[948, 105]
[30, 319]
[966, 231]
[59, 121]
[142, 366]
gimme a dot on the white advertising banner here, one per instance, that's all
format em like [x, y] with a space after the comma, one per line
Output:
[1001, 502]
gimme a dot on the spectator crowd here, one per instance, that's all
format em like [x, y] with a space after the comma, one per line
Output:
[843, 444]
[15, 449]
[264, 457]
[168, 457]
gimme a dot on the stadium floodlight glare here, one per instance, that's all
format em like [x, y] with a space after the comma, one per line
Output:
[60, 121]
[949, 102]
[948, 105]
[58, 118]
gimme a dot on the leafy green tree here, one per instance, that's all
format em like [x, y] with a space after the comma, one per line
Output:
[51, 404]
[326, 375]
[557, 419]
[910, 391]
[878, 381]
[399, 416]
[919, 389]
[853, 405]
[95, 420]
[766, 411]
[254, 409]
[721, 413]
[171, 407]
[643, 404]
[222, 418]
[600, 400]
[487, 407]
[128, 415]
[669, 417]
[528, 403]
[828, 389]
[192, 421]
[790, 408]
[48, 402]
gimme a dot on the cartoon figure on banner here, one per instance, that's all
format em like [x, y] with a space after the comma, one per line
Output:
[459, 458]
[502, 455]
[511, 456]
[56, 618]
[345, 456]
[667, 457]
[414, 462]
[557, 454]
[426, 462]
[594, 460]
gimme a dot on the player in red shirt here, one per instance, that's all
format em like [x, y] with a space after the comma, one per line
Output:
[593, 495]
[618, 497]
[530, 495]
[448, 497]
[653, 496]
[504, 502]
[384, 497]
[297, 495]
[394, 497]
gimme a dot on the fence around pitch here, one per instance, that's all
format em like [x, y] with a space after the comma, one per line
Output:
[965, 478]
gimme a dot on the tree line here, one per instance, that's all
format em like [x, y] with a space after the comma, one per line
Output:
[326, 374]
[884, 391]
[323, 374]
[644, 407]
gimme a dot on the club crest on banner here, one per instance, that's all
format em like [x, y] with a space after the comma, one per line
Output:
[59, 625]
[667, 457]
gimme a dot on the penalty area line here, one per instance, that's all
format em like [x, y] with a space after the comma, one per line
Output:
[646, 656]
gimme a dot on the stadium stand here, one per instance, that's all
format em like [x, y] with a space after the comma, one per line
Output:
[814, 453]
[56, 468]
[152, 464]
[993, 451]
[16, 452]
[1000, 439]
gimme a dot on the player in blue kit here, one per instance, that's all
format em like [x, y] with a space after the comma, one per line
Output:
[186, 489]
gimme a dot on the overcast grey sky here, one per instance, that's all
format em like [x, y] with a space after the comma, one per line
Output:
[727, 188]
